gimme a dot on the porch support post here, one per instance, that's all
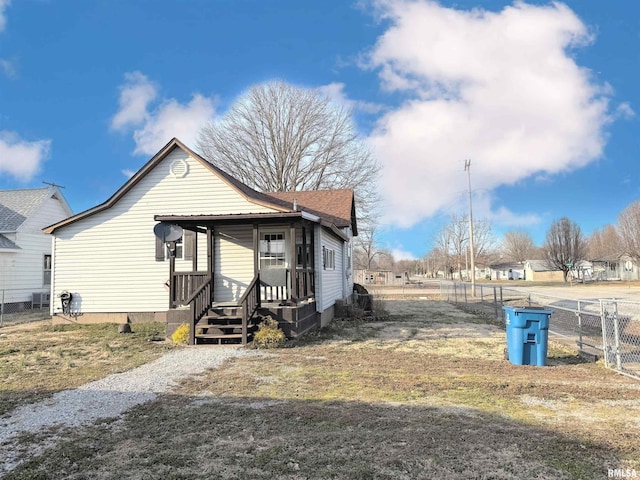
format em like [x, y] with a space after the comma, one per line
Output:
[294, 262]
[305, 265]
[195, 251]
[172, 279]
[210, 263]
[312, 249]
[256, 249]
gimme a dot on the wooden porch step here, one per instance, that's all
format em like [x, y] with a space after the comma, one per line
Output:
[219, 335]
[235, 318]
[221, 327]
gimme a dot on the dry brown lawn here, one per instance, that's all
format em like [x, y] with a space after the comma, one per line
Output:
[38, 359]
[424, 395]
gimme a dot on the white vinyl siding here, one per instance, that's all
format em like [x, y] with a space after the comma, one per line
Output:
[233, 262]
[332, 279]
[107, 260]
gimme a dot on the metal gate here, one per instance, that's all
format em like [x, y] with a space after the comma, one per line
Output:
[621, 336]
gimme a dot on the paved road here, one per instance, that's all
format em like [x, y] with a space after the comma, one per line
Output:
[618, 290]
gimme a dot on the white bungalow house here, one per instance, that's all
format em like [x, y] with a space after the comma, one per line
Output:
[25, 252]
[616, 267]
[507, 271]
[242, 253]
[540, 271]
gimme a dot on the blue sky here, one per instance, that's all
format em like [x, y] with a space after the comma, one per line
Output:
[542, 97]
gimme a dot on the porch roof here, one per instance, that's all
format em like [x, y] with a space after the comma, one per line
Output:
[203, 219]
[245, 218]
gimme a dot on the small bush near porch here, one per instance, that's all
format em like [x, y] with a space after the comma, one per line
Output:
[426, 394]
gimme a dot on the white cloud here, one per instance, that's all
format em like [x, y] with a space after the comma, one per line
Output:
[173, 119]
[8, 68]
[135, 96]
[624, 110]
[19, 158]
[399, 254]
[499, 88]
[335, 92]
[128, 173]
[153, 126]
[3, 16]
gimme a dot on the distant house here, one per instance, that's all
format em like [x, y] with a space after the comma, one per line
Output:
[25, 252]
[377, 277]
[540, 271]
[507, 271]
[615, 267]
[231, 253]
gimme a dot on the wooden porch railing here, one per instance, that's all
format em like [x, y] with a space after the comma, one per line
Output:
[200, 302]
[250, 303]
[302, 287]
[184, 284]
[304, 284]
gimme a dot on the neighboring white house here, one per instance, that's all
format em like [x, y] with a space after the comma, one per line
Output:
[25, 252]
[507, 271]
[540, 271]
[379, 277]
[615, 267]
[293, 248]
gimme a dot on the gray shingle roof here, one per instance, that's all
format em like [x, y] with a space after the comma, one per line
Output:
[17, 205]
[6, 243]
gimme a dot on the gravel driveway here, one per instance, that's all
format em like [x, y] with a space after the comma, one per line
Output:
[109, 397]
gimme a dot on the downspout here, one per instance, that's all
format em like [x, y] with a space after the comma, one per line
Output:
[53, 274]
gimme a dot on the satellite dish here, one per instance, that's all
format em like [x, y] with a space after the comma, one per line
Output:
[167, 232]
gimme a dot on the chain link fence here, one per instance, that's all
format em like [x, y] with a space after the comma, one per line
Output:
[23, 305]
[604, 328]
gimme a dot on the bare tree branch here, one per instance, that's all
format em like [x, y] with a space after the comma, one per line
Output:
[629, 230]
[518, 246]
[278, 137]
[565, 245]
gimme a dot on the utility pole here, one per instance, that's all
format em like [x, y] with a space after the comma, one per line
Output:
[467, 168]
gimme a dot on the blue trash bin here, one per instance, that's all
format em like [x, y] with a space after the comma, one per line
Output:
[527, 335]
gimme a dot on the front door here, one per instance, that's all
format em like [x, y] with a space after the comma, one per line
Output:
[273, 264]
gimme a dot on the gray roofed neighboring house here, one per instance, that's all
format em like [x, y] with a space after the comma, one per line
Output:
[25, 251]
[7, 244]
[18, 205]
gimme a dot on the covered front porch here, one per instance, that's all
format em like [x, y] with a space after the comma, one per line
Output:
[243, 267]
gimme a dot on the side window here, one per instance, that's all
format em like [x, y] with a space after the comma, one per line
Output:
[46, 270]
[328, 258]
[179, 251]
[185, 248]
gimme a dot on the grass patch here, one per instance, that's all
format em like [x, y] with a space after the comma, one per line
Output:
[38, 360]
[421, 398]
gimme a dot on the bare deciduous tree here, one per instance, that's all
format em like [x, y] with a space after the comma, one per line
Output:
[452, 242]
[518, 246]
[366, 251]
[604, 243]
[278, 137]
[629, 230]
[565, 245]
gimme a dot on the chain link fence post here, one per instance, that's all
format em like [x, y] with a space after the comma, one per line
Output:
[2, 310]
[616, 330]
[579, 328]
[605, 343]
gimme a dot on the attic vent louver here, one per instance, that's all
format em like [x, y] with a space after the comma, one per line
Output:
[179, 168]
